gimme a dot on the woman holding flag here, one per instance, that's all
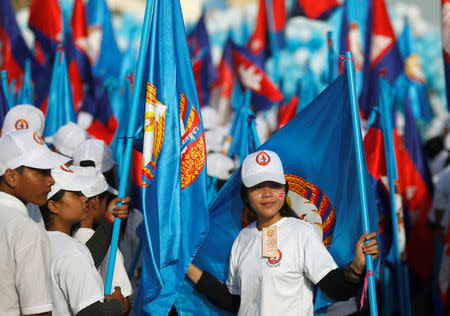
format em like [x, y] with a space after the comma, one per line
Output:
[276, 260]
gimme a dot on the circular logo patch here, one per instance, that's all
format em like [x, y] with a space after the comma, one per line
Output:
[21, 124]
[38, 139]
[275, 261]
[262, 159]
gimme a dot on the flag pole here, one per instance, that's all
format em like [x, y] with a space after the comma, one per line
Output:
[5, 87]
[331, 60]
[392, 173]
[124, 170]
[361, 180]
[272, 39]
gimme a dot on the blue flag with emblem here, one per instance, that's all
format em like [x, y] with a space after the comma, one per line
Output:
[173, 163]
[322, 168]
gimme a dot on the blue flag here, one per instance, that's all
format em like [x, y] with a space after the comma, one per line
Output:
[318, 154]
[173, 181]
[106, 56]
[60, 108]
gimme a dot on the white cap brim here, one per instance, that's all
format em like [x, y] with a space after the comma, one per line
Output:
[77, 184]
[258, 178]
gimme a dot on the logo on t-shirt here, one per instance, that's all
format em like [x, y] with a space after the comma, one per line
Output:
[275, 261]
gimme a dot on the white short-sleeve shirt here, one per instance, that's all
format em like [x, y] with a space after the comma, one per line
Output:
[120, 277]
[24, 261]
[76, 283]
[281, 285]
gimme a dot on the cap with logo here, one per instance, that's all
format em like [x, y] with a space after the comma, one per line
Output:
[27, 148]
[100, 184]
[261, 166]
[97, 151]
[23, 116]
[70, 179]
[68, 137]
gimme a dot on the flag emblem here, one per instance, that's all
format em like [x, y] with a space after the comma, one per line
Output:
[193, 149]
[301, 187]
[155, 114]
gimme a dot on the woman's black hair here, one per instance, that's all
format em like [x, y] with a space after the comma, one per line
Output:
[285, 211]
[45, 211]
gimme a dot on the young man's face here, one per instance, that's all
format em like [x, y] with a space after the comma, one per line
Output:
[33, 185]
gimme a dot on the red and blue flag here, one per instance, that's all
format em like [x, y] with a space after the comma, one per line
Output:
[381, 55]
[315, 9]
[204, 70]
[268, 21]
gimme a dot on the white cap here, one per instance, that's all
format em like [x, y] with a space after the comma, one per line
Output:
[97, 151]
[26, 148]
[70, 179]
[210, 118]
[100, 184]
[261, 166]
[68, 137]
[219, 166]
[23, 116]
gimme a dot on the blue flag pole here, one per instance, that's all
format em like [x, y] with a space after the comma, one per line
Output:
[386, 124]
[130, 133]
[27, 89]
[331, 59]
[5, 87]
[243, 152]
[361, 181]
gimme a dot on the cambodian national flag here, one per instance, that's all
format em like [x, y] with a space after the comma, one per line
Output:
[324, 128]
[253, 77]
[315, 9]
[204, 70]
[222, 87]
[417, 191]
[376, 163]
[268, 21]
[96, 115]
[445, 9]
[287, 111]
[14, 53]
[173, 162]
[381, 55]
[46, 21]
[104, 53]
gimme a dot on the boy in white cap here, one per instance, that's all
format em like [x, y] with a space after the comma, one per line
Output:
[99, 195]
[95, 153]
[68, 137]
[25, 163]
[23, 116]
[77, 288]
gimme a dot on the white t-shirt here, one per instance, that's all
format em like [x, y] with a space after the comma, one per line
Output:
[76, 283]
[281, 285]
[24, 261]
[120, 277]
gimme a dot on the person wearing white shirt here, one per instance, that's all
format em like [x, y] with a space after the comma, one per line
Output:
[77, 288]
[25, 164]
[276, 261]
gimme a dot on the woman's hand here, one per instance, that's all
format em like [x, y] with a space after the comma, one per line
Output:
[194, 273]
[113, 210]
[371, 248]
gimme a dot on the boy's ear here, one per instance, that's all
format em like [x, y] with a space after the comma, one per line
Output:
[11, 177]
[94, 203]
